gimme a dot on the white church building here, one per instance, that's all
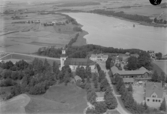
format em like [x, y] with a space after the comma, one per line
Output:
[73, 63]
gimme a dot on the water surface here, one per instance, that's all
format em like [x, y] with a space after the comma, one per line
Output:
[114, 32]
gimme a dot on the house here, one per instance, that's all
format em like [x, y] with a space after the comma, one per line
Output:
[153, 94]
[141, 74]
[98, 57]
[100, 96]
[73, 63]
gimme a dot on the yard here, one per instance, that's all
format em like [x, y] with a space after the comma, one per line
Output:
[138, 93]
[59, 99]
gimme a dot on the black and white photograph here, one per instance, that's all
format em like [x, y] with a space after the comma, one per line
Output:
[83, 56]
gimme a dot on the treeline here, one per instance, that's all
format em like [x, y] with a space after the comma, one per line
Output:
[83, 51]
[128, 100]
[121, 14]
[100, 84]
[143, 60]
[160, 21]
[33, 78]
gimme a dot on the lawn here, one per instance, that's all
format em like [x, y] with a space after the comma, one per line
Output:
[58, 99]
[138, 93]
[112, 112]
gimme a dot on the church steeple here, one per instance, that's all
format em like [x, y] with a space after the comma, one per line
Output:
[63, 58]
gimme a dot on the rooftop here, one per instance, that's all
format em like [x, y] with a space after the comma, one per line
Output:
[128, 80]
[154, 87]
[79, 61]
[100, 94]
[99, 55]
[142, 70]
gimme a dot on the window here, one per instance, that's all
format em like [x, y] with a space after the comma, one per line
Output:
[156, 100]
[153, 100]
[148, 100]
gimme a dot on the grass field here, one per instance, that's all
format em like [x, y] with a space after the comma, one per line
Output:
[29, 37]
[58, 99]
[138, 94]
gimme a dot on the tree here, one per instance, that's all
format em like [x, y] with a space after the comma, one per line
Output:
[158, 55]
[100, 107]
[163, 105]
[104, 84]
[67, 78]
[55, 68]
[91, 111]
[132, 63]
[130, 88]
[144, 60]
[91, 97]
[102, 75]
[110, 100]
[155, 76]
[108, 63]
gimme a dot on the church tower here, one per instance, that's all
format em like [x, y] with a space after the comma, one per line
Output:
[63, 58]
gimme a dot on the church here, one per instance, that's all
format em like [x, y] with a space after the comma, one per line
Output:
[73, 63]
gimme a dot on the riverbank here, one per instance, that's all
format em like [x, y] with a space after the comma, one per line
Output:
[113, 32]
[116, 15]
[119, 15]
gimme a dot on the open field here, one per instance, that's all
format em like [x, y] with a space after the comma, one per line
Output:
[58, 99]
[112, 112]
[29, 58]
[15, 105]
[24, 36]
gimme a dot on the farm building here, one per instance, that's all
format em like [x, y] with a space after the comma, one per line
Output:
[131, 76]
[99, 57]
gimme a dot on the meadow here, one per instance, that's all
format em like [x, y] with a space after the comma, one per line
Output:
[59, 99]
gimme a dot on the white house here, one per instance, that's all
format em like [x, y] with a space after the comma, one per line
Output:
[100, 96]
[153, 94]
[76, 62]
[99, 57]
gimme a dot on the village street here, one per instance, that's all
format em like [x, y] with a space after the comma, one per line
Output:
[119, 108]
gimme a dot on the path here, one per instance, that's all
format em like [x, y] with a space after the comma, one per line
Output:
[32, 55]
[120, 109]
[15, 105]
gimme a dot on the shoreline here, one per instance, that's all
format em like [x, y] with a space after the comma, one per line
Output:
[138, 22]
[118, 17]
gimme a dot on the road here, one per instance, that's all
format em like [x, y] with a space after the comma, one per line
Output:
[32, 55]
[119, 108]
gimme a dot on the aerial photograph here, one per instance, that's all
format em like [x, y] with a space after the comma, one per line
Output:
[83, 57]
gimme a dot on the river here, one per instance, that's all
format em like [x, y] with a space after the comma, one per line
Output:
[114, 32]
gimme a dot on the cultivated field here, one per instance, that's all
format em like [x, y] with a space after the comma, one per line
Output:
[20, 34]
[58, 99]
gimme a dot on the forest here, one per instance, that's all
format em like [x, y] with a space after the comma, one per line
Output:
[83, 51]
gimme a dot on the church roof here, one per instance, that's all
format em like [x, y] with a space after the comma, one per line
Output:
[79, 61]
[154, 87]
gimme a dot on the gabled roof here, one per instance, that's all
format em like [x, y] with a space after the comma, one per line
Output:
[154, 87]
[79, 61]
[115, 70]
[128, 80]
[99, 55]
[100, 94]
